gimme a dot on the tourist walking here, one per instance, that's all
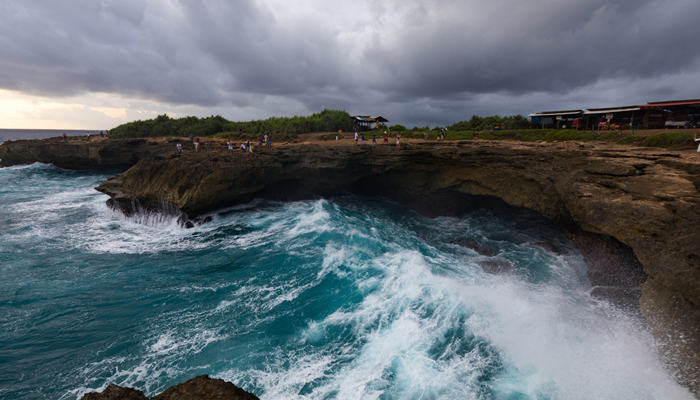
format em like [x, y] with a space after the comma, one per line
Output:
[697, 140]
[268, 142]
[356, 136]
[229, 144]
[398, 139]
[363, 139]
[374, 139]
[178, 147]
[386, 138]
[65, 137]
[196, 144]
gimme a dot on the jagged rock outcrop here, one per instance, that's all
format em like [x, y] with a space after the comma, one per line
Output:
[648, 200]
[199, 388]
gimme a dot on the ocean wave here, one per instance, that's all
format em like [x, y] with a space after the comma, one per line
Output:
[334, 298]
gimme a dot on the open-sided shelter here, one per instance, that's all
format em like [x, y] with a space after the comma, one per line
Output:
[366, 122]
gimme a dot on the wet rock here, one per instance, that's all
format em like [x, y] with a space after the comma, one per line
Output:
[115, 392]
[200, 388]
[205, 388]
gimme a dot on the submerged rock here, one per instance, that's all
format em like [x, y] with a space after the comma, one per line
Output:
[200, 388]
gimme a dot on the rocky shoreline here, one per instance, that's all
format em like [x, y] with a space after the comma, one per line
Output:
[626, 208]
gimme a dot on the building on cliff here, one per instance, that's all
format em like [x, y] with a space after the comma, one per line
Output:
[653, 115]
[366, 122]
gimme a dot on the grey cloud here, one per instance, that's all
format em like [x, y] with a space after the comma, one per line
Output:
[422, 61]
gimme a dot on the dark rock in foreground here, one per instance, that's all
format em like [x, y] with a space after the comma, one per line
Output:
[199, 388]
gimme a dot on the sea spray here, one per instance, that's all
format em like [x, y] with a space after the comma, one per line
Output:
[339, 298]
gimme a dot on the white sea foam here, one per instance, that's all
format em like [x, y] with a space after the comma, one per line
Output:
[554, 343]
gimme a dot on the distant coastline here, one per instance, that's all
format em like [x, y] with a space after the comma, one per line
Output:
[20, 134]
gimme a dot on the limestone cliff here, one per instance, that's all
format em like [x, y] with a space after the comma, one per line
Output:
[81, 153]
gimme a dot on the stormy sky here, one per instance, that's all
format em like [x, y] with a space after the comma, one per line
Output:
[96, 64]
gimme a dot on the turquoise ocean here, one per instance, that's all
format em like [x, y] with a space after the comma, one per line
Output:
[338, 298]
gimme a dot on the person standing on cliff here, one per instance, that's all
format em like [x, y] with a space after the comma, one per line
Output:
[65, 137]
[356, 137]
[398, 139]
[179, 148]
[196, 144]
[697, 140]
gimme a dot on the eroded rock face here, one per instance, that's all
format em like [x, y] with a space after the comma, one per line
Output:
[647, 200]
[199, 388]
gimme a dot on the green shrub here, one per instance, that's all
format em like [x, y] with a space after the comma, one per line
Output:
[325, 121]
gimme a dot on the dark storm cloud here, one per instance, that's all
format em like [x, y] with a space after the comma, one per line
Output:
[418, 60]
[538, 45]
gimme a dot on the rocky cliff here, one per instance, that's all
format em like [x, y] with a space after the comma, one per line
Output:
[83, 153]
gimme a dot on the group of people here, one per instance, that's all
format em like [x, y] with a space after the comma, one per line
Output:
[439, 136]
[246, 146]
[361, 138]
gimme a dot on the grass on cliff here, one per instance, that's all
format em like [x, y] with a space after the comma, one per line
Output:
[275, 137]
[670, 140]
